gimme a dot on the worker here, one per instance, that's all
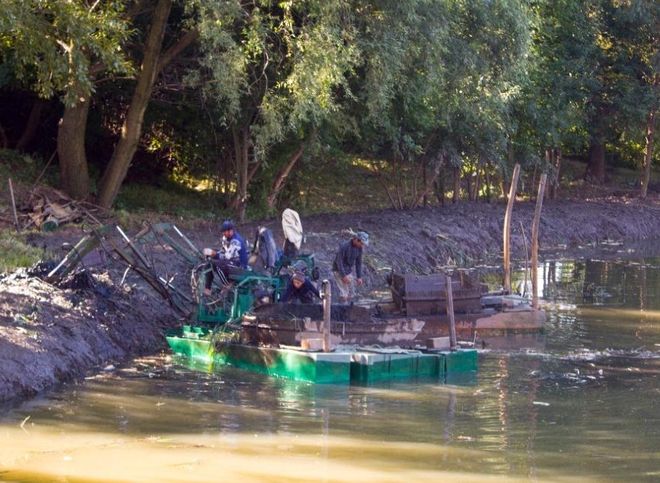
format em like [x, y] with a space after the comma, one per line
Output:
[349, 256]
[301, 289]
[230, 258]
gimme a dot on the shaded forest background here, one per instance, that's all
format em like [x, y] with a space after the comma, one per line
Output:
[244, 107]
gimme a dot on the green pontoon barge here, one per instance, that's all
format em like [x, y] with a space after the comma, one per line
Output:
[245, 327]
[325, 343]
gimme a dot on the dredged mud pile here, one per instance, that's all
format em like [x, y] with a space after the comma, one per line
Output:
[51, 334]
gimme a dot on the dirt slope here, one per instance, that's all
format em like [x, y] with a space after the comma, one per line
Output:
[466, 233]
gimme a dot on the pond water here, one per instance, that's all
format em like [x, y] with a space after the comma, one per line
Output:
[582, 406]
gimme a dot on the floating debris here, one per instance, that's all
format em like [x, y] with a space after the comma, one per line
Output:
[23, 423]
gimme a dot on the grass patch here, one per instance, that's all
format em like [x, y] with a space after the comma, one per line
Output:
[337, 186]
[16, 253]
[172, 199]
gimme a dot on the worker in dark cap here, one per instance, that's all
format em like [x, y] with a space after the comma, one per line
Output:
[349, 256]
[231, 257]
[300, 289]
[233, 248]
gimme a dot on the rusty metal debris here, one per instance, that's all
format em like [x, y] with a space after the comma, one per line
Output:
[113, 244]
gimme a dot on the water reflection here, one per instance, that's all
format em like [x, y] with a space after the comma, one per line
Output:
[584, 406]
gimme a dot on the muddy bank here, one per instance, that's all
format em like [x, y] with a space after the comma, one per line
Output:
[466, 234]
[52, 334]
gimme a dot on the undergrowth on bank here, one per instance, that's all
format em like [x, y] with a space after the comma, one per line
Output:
[16, 253]
[339, 188]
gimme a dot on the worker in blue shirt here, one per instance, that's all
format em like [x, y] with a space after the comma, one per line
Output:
[231, 257]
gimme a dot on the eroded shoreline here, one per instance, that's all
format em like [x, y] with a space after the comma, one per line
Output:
[50, 335]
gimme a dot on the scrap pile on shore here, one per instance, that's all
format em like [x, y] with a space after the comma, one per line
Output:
[46, 208]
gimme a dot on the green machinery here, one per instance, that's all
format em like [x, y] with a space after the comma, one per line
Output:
[243, 291]
[228, 301]
[232, 295]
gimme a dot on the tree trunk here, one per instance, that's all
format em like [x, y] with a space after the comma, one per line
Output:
[242, 162]
[469, 180]
[477, 184]
[429, 183]
[131, 130]
[236, 139]
[440, 190]
[554, 184]
[253, 171]
[596, 167]
[399, 186]
[31, 125]
[425, 198]
[457, 185]
[390, 196]
[487, 191]
[282, 175]
[502, 183]
[4, 142]
[648, 154]
[74, 176]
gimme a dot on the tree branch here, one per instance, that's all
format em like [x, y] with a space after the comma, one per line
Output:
[182, 44]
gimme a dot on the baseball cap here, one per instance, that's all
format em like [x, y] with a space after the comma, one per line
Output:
[363, 236]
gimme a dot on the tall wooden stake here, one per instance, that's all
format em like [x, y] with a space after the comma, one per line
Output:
[507, 229]
[535, 241]
[13, 204]
[327, 311]
[450, 313]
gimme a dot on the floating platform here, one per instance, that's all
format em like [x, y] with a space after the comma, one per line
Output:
[383, 365]
[350, 365]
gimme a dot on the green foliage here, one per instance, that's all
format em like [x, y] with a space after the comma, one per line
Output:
[18, 166]
[54, 44]
[437, 82]
[412, 86]
[274, 67]
[16, 253]
[591, 74]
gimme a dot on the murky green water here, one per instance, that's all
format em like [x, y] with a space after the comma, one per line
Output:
[585, 405]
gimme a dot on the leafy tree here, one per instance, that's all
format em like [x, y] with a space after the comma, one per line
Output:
[273, 70]
[57, 48]
[437, 80]
[154, 60]
[552, 112]
[591, 78]
[634, 51]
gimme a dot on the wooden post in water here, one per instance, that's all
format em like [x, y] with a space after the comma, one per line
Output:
[327, 311]
[506, 255]
[450, 313]
[535, 240]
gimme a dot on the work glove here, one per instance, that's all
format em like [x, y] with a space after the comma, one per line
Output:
[208, 252]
